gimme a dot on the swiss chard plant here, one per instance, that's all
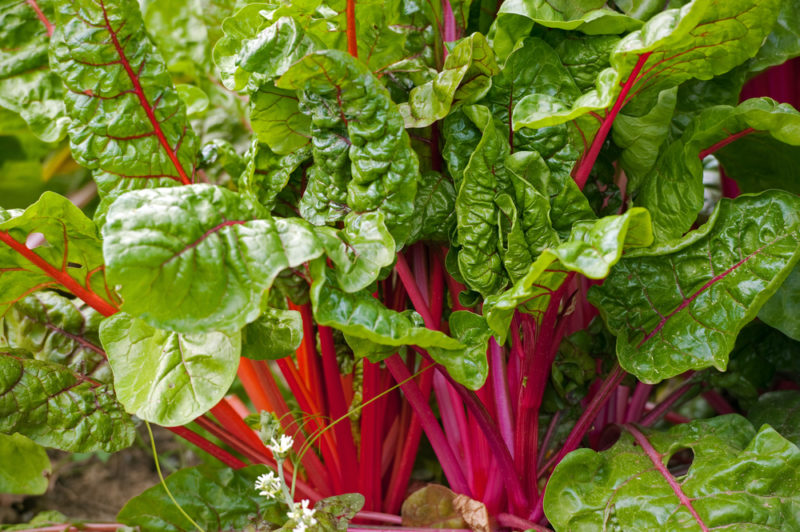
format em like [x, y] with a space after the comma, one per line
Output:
[355, 248]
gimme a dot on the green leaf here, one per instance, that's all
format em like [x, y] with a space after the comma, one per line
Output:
[62, 238]
[24, 466]
[781, 310]
[588, 16]
[336, 512]
[277, 120]
[354, 121]
[673, 192]
[276, 334]
[680, 305]
[179, 31]
[129, 124]
[738, 479]
[472, 60]
[592, 249]
[784, 41]
[360, 315]
[216, 498]
[27, 85]
[434, 208]
[484, 177]
[359, 251]
[199, 258]
[701, 40]
[166, 377]
[468, 365]
[641, 136]
[268, 173]
[54, 328]
[59, 408]
[781, 411]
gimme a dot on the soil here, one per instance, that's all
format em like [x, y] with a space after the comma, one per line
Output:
[95, 487]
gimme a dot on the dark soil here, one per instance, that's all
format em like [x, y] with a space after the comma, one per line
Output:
[95, 487]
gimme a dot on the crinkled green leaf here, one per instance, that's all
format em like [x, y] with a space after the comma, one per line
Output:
[61, 236]
[680, 305]
[359, 250]
[465, 78]
[592, 249]
[738, 479]
[129, 125]
[484, 177]
[54, 328]
[461, 137]
[782, 310]
[335, 513]
[359, 142]
[704, 38]
[275, 334]
[641, 136]
[24, 466]
[360, 315]
[216, 498]
[673, 191]
[781, 411]
[199, 258]
[27, 85]
[434, 208]
[268, 173]
[584, 56]
[166, 377]
[56, 407]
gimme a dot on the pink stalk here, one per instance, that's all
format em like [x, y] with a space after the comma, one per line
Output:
[718, 403]
[638, 401]
[497, 372]
[586, 164]
[663, 407]
[370, 466]
[380, 517]
[518, 523]
[449, 463]
[724, 142]
[579, 430]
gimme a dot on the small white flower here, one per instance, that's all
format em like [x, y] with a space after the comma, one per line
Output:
[302, 515]
[281, 447]
[269, 485]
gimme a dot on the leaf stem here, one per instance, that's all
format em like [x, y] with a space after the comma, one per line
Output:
[724, 142]
[352, 42]
[656, 458]
[664, 406]
[586, 164]
[42, 17]
[62, 277]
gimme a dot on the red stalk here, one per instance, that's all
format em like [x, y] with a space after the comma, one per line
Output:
[83, 527]
[256, 456]
[518, 523]
[414, 294]
[502, 400]
[449, 463]
[718, 403]
[352, 43]
[724, 142]
[234, 424]
[60, 276]
[220, 454]
[338, 408]
[371, 451]
[586, 164]
[638, 401]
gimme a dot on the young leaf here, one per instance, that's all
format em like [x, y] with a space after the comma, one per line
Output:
[54, 328]
[277, 333]
[344, 98]
[680, 305]
[128, 125]
[59, 408]
[756, 130]
[199, 258]
[266, 173]
[434, 208]
[465, 78]
[216, 498]
[738, 479]
[699, 40]
[359, 251]
[27, 85]
[592, 249]
[51, 244]
[165, 377]
[24, 466]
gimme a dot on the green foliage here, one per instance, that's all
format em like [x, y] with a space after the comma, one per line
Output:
[25, 466]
